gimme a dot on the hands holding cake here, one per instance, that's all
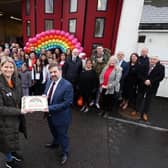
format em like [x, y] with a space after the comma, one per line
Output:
[32, 104]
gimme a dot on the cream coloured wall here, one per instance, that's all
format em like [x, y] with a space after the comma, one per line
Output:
[128, 27]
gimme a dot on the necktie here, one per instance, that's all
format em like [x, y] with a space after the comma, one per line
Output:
[150, 69]
[50, 92]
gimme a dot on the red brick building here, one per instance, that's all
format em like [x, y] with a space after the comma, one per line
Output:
[92, 22]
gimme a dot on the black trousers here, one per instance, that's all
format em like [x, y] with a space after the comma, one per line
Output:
[109, 102]
[143, 101]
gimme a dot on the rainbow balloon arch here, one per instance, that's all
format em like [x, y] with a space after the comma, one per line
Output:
[52, 39]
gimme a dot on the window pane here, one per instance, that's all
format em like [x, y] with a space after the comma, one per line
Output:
[72, 25]
[99, 27]
[49, 6]
[48, 24]
[102, 5]
[73, 5]
[141, 39]
[28, 28]
[27, 7]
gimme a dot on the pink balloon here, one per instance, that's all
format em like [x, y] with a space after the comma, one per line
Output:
[38, 36]
[67, 34]
[71, 37]
[77, 45]
[42, 34]
[57, 31]
[62, 32]
[52, 31]
[30, 40]
[48, 32]
[27, 43]
[34, 40]
[81, 49]
[74, 41]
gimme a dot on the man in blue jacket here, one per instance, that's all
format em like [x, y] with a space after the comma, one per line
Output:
[60, 97]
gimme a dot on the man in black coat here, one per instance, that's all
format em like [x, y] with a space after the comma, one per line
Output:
[72, 69]
[148, 83]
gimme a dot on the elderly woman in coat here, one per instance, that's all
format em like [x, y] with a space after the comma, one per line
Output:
[110, 86]
[10, 113]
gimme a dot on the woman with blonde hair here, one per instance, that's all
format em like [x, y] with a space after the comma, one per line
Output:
[110, 86]
[10, 113]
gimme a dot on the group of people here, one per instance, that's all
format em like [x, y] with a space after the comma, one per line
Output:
[104, 81]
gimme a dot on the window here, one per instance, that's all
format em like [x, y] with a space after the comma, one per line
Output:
[72, 25]
[73, 5]
[48, 24]
[28, 28]
[101, 5]
[141, 39]
[49, 6]
[99, 27]
[27, 7]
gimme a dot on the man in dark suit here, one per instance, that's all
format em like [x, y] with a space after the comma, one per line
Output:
[144, 59]
[60, 97]
[148, 83]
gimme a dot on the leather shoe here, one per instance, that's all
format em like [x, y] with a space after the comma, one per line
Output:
[134, 113]
[64, 159]
[145, 117]
[51, 145]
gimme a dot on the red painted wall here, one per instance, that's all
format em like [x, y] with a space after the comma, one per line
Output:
[31, 18]
[85, 15]
[79, 15]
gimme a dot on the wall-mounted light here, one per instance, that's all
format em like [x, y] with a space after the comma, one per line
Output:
[15, 18]
[1, 14]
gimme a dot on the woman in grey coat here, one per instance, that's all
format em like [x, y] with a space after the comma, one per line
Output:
[110, 86]
[10, 113]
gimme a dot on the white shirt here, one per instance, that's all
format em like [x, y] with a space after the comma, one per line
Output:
[120, 62]
[55, 86]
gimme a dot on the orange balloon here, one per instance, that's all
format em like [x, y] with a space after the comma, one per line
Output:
[80, 101]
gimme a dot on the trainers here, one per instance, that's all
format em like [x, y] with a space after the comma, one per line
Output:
[91, 104]
[105, 115]
[83, 108]
[17, 157]
[86, 110]
[97, 106]
[133, 113]
[11, 164]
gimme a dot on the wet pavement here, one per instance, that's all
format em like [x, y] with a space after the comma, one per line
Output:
[119, 142]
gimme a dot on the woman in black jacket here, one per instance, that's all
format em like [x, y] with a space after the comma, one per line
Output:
[130, 83]
[10, 113]
[88, 84]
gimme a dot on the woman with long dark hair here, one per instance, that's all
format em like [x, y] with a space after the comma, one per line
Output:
[130, 83]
